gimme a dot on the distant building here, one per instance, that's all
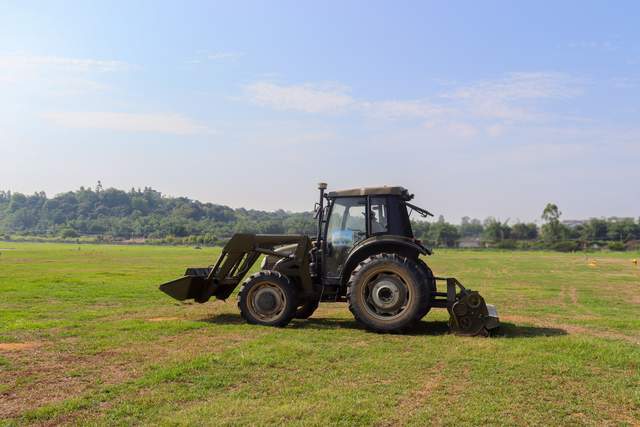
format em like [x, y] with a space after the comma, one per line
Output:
[573, 223]
[470, 242]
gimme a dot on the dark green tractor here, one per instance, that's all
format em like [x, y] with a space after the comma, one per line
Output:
[364, 254]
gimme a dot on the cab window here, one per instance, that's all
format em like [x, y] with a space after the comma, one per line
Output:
[379, 215]
[347, 226]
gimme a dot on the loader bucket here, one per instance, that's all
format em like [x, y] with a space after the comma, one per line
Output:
[190, 286]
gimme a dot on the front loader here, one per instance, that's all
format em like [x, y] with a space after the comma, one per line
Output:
[364, 253]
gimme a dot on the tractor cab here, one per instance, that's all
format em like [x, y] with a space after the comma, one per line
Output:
[372, 217]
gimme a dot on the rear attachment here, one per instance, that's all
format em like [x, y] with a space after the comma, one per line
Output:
[469, 314]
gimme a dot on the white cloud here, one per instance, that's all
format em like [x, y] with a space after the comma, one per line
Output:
[496, 130]
[224, 55]
[510, 98]
[203, 56]
[323, 98]
[128, 122]
[498, 98]
[307, 98]
[31, 62]
[26, 75]
[517, 86]
[403, 109]
[600, 45]
[487, 107]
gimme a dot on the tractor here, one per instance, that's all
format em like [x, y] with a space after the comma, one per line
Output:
[364, 253]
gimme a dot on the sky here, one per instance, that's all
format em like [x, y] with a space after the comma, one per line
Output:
[490, 108]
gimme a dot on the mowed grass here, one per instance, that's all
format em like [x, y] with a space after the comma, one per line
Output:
[87, 338]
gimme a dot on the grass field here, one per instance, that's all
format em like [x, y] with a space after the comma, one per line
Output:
[86, 338]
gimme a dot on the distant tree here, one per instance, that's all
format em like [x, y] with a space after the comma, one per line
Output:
[110, 214]
[622, 229]
[67, 233]
[441, 233]
[522, 231]
[551, 213]
[420, 229]
[470, 227]
[552, 230]
[595, 229]
[496, 231]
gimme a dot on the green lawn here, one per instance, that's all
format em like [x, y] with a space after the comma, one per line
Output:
[87, 338]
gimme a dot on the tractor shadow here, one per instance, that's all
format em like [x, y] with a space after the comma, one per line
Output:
[224, 319]
[512, 330]
[423, 328]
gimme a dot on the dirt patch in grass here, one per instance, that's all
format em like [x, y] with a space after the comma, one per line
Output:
[18, 346]
[162, 319]
[573, 294]
[423, 397]
[568, 294]
[45, 375]
[168, 350]
[38, 378]
[419, 397]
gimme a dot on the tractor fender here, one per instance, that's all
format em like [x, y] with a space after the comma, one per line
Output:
[378, 244]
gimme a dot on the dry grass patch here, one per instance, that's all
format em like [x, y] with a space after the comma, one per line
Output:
[18, 346]
[56, 375]
[417, 398]
[163, 319]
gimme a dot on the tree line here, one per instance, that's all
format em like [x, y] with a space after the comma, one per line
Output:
[613, 233]
[148, 215]
[112, 214]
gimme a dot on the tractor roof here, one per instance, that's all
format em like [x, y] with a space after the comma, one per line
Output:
[373, 191]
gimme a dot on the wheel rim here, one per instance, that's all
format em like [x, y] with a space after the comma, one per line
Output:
[266, 301]
[386, 294]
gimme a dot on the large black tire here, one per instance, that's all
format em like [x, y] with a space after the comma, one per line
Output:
[427, 275]
[307, 309]
[387, 293]
[267, 298]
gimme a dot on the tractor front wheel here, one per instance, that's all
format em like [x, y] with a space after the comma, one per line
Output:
[267, 298]
[388, 293]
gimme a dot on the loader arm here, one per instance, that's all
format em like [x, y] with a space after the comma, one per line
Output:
[236, 259]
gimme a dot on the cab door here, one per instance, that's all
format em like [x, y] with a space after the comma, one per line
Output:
[346, 226]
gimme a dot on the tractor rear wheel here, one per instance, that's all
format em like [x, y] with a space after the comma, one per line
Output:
[387, 293]
[267, 298]
[430, 283]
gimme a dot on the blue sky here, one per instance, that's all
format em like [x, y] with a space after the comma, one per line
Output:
[479, 108]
